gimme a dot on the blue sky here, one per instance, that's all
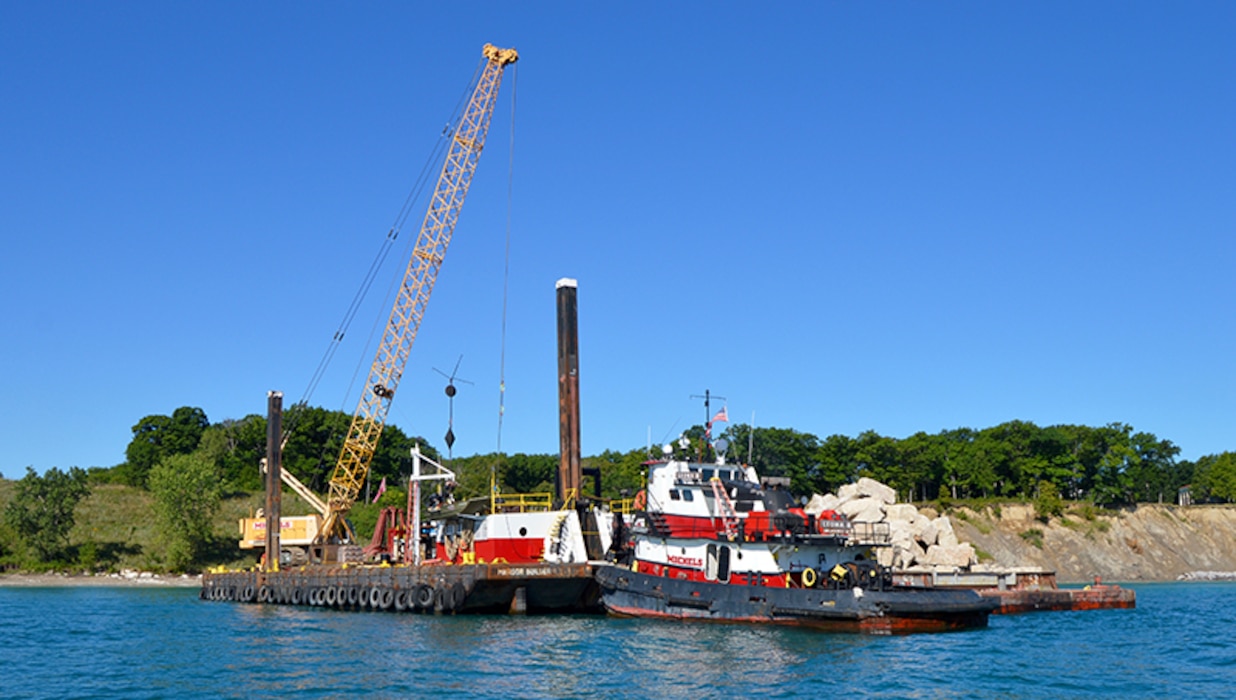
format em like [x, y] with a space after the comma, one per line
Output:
[839, 216]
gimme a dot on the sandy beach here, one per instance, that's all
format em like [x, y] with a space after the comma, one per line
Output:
[123, 579]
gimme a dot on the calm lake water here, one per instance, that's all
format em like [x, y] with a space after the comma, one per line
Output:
[1180, 642]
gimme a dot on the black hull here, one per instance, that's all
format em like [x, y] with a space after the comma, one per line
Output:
[896, 611]
[459, 589]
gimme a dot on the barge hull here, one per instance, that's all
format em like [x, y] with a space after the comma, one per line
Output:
[474, 588]
[627, 593]
[1021, 601]
[1022, 591]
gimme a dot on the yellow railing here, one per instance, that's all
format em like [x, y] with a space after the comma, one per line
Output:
[521, 502]
[624, 506]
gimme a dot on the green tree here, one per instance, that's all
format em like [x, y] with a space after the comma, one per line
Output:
[42, 508]
[243, 445]
[186, 497]
[1153, 476]
[156, 437]
[787, 452]
[1048, 503]
[1216, 476]
[620, 471]
[523, 473]
[836, 464]
[1112, 483]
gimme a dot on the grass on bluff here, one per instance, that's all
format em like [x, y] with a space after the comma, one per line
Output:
[115, 529]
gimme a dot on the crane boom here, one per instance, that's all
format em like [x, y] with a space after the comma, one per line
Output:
[444, 206]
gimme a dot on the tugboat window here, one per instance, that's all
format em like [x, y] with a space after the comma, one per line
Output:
[688, 495]
[674, 495]
[723, 565]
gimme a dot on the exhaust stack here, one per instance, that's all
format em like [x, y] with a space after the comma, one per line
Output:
[570, 475]
[274, 466]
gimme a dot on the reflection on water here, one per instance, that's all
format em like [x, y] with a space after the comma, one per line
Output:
[165, 643]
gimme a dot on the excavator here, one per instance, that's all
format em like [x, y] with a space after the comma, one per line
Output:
[334, 533]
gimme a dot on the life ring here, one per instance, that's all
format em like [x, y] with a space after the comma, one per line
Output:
[424, 597]
[640, 501]
[809, 577]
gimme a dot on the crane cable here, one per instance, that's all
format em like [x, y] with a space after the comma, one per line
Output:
[506, 268]
[414, 195]
[506, 279]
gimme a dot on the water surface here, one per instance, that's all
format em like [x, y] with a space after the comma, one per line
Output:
[1180, 642]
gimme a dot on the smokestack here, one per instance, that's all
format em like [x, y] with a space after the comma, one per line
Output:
[274, 468]
[570, 475]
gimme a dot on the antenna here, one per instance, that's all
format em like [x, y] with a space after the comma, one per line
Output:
[450, 400]
[751, 441]
[707, 405]
[707, 417]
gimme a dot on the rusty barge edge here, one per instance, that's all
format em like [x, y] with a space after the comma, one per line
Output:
[1023, 590]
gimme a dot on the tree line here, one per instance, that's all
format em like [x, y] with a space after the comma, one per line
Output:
[1109, 465]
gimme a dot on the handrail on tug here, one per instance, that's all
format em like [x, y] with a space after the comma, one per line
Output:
[521, 502]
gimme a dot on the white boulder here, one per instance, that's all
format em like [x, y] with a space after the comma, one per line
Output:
[819, 504]
[863, 510]
[847, 492]
[947, 537]
[926, 531]
[874, 489]
[952, 557]
[901, 512]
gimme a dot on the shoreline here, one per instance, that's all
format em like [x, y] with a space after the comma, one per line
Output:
[124, 579]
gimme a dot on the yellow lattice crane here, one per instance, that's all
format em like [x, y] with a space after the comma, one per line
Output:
[444, 207]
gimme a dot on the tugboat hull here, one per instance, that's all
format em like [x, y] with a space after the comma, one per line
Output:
[627, 593]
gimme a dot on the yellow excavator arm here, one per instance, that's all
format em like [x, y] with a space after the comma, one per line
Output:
[444, 206]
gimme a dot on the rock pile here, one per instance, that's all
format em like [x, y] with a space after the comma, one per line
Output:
[919, 539]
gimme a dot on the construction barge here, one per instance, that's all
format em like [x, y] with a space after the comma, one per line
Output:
[1022, 590]
[427, 589]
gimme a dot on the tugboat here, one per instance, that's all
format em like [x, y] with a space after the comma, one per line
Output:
[710, 543]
